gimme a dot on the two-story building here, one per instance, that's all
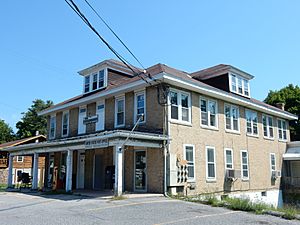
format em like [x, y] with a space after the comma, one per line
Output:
[164, 130]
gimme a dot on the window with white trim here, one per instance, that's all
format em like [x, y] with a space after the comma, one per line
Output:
[239, 85]
[140, 106]
[244, 165]
[228, 158]
[95, 81]
[272, 162]
[232, 117]
[52, 128]
[210, 163]
[268, 126]
[86, 84]
[180, 106]
[81, 117]
[208, 110]
[65, 124]
[120, 111]
[282, 129]
[189, 156]
[252, 122]
[20, 158]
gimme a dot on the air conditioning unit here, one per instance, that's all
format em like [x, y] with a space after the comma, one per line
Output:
[276, 174]
[232, 174]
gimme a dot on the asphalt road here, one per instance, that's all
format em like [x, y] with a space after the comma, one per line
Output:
[19, 209]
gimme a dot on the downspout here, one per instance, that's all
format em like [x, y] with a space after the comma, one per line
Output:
[166, 146]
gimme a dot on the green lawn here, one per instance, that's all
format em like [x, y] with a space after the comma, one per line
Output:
[2, 187]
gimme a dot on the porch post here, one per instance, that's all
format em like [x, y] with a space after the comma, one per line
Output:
[10, 171]
[118, 151]
[35, 171]
[69, 171]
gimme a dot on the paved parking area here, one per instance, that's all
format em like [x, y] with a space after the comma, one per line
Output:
[18, 208]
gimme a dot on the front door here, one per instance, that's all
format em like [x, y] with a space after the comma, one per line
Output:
[80, 172]
[140, 173]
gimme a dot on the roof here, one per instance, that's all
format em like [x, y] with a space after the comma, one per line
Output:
[155, 71]
[21, 141]
[218, 70]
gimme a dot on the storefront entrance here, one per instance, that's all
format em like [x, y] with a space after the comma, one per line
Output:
[140, 173]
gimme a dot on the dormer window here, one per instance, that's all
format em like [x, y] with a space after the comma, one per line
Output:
[239, 85]
[95, 81]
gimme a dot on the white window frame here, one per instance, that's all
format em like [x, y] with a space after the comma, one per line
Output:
[208, 113]
[119, 98]
[179, 120]
[136, 94]
[236, 77]
[271, 165]
[84, 125]
[52, 117]
[22, 158]
[252, 123]
[190, 179]
[231, 118]
[214, 163]
[62, 124]
[282, 129]
[100, 103]
[268, 126]
[91, 80]
[242, 170]
[225, 159]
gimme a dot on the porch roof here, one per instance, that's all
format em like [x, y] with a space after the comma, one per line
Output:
[293, 151]
[92, 141]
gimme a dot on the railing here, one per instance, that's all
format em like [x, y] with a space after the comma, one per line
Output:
[3, 163]
[289, 183]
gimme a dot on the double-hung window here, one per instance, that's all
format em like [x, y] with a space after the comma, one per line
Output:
[268, 126]
[228, 158]
[239, 85]
[232, 117]
[86, 84]
[272, 162]
[52, 127]
[65, 124]
[120, 111]
[81, 117]
[244, 165]
[180, 106]
[282, 129]
[140, 106]
[101, 81]
[251, 118]
[210, 163]
[189, 156]
[209, 111]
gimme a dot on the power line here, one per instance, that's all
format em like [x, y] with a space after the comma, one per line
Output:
[75, 8]
[114, 33]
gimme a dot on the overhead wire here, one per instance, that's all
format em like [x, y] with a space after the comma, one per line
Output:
[76, 9]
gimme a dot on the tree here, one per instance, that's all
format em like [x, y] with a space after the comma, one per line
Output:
[290, 96]
[31, 122]
[6, 132]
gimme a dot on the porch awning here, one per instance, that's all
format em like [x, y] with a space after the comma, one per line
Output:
[93, 141]
[293, 151]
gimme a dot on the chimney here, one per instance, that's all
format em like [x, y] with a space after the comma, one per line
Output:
[280, 105]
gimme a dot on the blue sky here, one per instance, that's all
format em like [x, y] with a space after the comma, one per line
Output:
[43, 43]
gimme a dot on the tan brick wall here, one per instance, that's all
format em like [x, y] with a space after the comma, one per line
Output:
[155, 170]
[27, 162]
[129, 104]
[73, 122]
[109, 113]
[259, 150]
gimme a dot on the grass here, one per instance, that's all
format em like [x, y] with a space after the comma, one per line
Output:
[242, 204]
[3, 187]
[117, 198]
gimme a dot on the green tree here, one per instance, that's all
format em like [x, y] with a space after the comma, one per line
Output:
[6, 132]
[31, 122]
[290, 96]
